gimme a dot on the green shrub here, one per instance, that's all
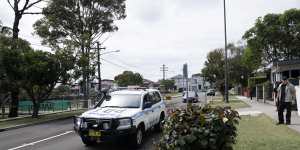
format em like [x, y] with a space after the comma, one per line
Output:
[198, 128]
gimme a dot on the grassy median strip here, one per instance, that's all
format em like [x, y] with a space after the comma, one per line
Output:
[261, 133]
[233, 103]
[41, 119]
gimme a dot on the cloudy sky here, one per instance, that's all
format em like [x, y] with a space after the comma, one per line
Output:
[170, 32]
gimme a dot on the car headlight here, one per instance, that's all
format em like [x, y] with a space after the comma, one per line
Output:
[105, 126]
[77, 121]
[124, 123]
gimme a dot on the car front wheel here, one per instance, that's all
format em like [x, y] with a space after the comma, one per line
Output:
[137, 138]
[159, 125]
[87, 141]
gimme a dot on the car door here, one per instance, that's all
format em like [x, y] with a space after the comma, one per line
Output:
[156, 107]
[148, 112]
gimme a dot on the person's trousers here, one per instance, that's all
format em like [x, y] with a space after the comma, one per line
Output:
[282, 106]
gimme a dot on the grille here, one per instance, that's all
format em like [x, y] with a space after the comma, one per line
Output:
[98, 123]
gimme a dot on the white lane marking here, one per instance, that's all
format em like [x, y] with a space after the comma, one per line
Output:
[46, 139]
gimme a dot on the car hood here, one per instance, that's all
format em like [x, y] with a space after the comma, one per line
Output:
[108, 112]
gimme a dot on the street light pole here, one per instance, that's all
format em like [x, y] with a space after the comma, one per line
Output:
[226, 60]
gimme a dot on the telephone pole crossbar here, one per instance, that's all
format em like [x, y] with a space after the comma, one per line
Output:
[164, 69]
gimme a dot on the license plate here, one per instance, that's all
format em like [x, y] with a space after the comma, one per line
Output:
[94, 133]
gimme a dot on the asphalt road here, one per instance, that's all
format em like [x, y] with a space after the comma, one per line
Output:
[59, 135]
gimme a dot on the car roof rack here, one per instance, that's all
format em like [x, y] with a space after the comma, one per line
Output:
[132, 88]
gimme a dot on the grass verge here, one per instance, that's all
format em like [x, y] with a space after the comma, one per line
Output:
[41, 119]
[261, 133]
[233, 103]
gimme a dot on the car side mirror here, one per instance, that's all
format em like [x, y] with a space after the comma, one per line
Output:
[147, 105]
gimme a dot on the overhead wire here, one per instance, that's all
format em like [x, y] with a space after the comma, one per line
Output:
[124, 67]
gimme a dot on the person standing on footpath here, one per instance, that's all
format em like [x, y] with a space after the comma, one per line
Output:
[285, 96]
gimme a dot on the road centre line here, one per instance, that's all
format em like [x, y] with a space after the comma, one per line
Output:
[39, 141]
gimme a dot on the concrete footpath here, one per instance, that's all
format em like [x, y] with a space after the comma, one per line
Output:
[269, 110]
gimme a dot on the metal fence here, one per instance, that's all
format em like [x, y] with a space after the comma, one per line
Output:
[49, 106]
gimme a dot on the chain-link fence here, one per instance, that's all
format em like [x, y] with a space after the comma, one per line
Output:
[49, 106]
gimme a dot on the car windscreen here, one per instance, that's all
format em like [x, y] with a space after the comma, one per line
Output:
[122, 101]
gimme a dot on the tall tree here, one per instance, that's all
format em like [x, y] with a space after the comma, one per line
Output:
[214, 69]
[41, 72]
[20, 8]
[79, 23]
[238, 71]
[5, 30]
[11, 62]
[276, 36]
[129, 78]
[168, 84]
[251, 59]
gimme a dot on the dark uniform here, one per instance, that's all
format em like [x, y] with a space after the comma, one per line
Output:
[282, 104]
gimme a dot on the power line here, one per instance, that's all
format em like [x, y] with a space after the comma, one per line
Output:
[109, 36]
[125, 63]
[126, 68]
[114, 64]
[138, 69]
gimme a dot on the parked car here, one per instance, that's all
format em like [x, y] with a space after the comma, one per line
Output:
[125, 114]
[190, 96]
[211, 92]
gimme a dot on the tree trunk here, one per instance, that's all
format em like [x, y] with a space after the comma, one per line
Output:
[16, 25]
[14, 105]
[84, 77]
[13, 110]
[36, 108]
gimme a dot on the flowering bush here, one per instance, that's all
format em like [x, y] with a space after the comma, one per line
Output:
[200, 128]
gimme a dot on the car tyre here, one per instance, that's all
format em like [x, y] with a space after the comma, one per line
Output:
[159, 126]
[137, 138]
[87, 142]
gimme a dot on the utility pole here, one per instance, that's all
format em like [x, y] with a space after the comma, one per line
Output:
[99, 48]
[164, 69]
[226, 60]
[98, 63]
[186, 76]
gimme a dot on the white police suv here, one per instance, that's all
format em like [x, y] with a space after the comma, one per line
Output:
[124, 113]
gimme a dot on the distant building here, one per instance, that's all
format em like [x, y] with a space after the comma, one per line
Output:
[195, 83]
[272, 73]
[149, 84]
[106, 83]
[289, 69]
[179, 82]
[77, 88]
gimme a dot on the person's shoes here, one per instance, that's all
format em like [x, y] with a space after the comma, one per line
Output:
[288, 123]
[279, 123]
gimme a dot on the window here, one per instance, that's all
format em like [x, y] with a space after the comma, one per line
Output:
[146, 98]
[156, 97]
[122, 101]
